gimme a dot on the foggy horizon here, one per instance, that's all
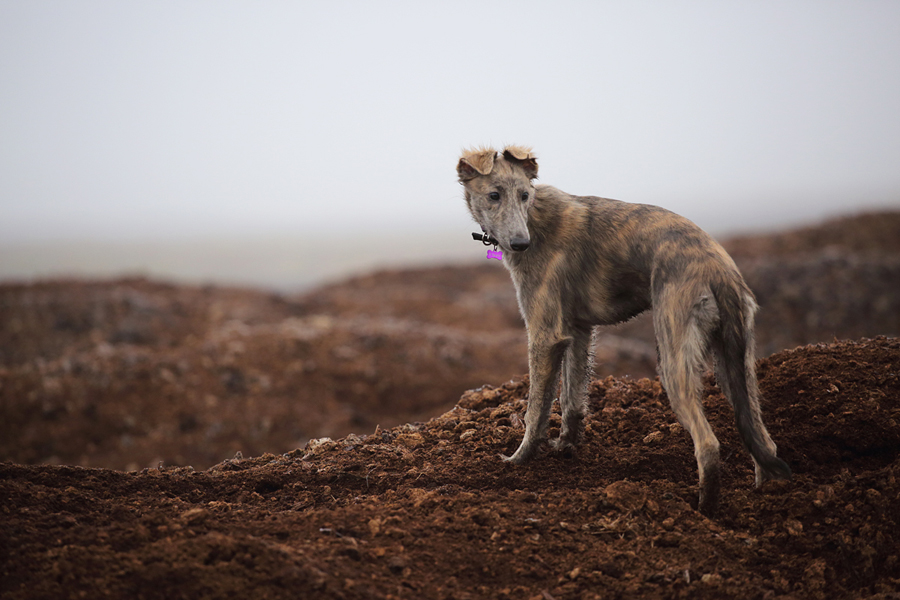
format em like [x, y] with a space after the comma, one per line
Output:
[172, 123]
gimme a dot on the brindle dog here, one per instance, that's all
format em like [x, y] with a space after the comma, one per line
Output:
[581, 261]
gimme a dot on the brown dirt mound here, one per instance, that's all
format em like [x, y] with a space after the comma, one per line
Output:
[429, 511]
[872, 233]
[127, 374]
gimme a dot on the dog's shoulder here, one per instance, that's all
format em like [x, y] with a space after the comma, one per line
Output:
[549, 195]
[543, 191]
[553, 194]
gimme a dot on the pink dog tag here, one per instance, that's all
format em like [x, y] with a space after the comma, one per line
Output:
[498, 254]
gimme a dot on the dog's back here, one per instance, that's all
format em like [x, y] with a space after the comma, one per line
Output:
[610, 258]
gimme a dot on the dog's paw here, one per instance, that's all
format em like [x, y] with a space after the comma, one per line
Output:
[563, 446]
[522, 454]
[708, 504]
[710, 486]
[514, 459]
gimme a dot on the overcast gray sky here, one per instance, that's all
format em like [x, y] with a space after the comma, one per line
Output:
[179, 120]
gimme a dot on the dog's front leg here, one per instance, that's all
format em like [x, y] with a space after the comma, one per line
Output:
[544, 357]
[576, 372]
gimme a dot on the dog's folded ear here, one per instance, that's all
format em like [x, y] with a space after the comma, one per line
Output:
[479, 161]
[524, 157]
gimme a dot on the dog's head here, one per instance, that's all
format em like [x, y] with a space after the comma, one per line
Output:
[499, 191]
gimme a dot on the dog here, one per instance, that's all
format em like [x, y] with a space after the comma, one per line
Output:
[581, 261]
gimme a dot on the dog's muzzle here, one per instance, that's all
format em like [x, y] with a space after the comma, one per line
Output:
[519, 244]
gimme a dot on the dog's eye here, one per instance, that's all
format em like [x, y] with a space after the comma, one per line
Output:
[524, 196]
[494, 196]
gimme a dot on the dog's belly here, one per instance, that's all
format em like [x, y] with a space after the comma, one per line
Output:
[614, 313]
[610, 305]
[625, 295]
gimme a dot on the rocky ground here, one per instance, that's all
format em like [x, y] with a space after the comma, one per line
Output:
[166, 383]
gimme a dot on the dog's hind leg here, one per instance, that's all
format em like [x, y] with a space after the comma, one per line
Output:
[576, 372]
[733, 347]
[544, 360]
[683, 351]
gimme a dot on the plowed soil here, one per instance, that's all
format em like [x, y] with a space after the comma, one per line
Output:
[148, 378]
[429, 511]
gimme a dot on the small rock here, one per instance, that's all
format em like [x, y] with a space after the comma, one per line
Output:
[316, 445]
[654, 437]
[195, 516]
[793, 526]
[374, 526]
[397, 565]
[410, 440]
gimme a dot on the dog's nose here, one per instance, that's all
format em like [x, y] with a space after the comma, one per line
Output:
[518, 244]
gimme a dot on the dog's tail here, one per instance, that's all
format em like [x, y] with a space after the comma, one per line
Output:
[733, 346]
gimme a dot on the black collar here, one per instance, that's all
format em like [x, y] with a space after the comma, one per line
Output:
[484, 238]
